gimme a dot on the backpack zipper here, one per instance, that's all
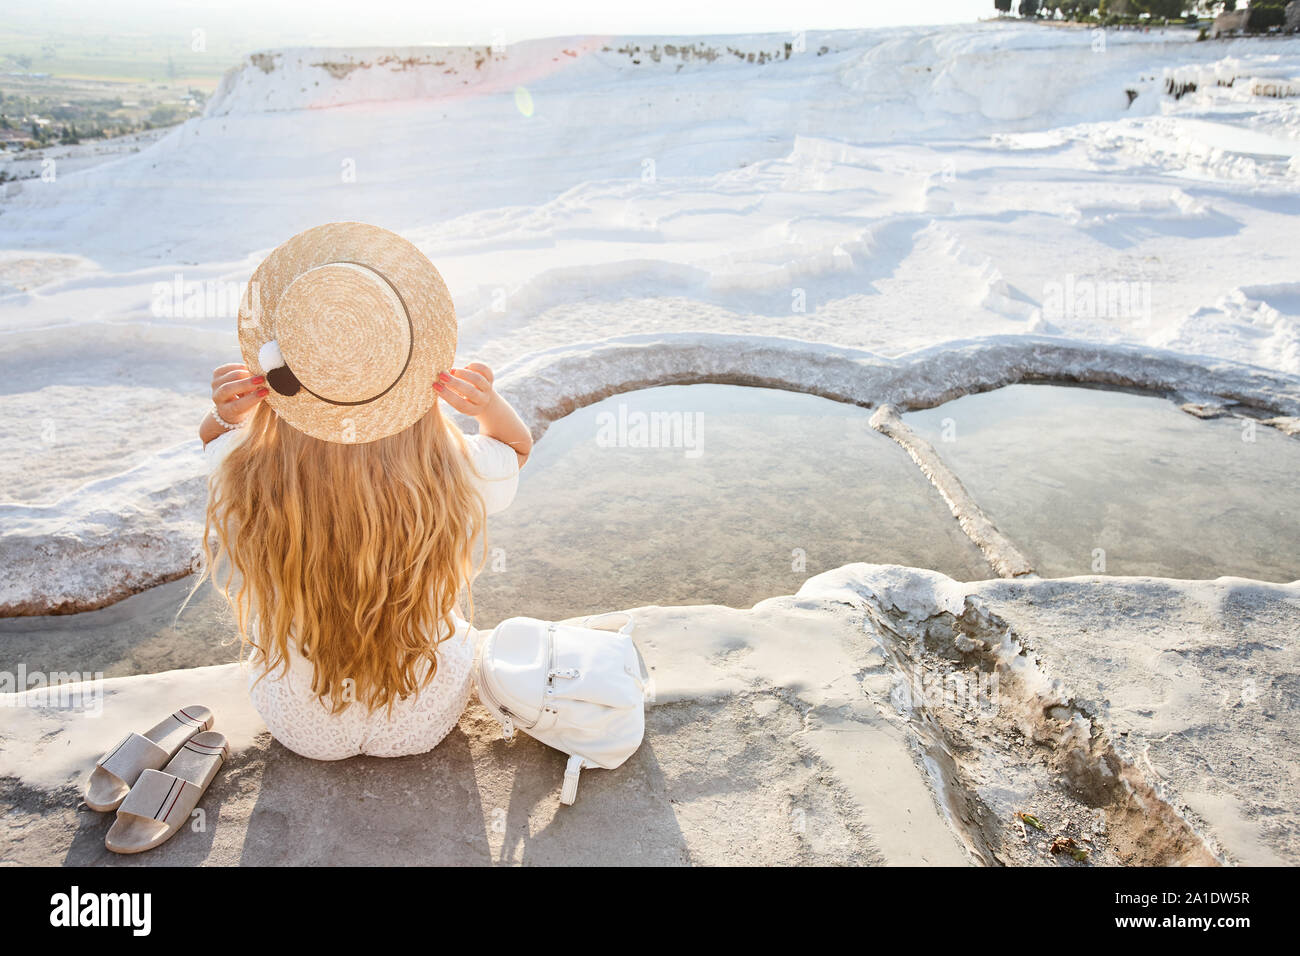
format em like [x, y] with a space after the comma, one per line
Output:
[510, 720]
[550, 651]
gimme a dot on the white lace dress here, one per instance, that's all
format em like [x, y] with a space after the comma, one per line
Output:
[418, 723]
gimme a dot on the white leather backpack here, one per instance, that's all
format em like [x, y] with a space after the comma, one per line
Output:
[578, 689]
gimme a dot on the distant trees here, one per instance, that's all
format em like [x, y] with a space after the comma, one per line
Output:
[1161, 8]
[1156, 9]
[1069, 9]
[1264, 14]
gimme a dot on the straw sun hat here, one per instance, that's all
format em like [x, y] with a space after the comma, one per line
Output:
[350, 324]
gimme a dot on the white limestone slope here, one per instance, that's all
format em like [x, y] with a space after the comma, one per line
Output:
[890, 214]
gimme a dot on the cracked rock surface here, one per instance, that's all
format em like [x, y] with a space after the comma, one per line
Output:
[881, 715]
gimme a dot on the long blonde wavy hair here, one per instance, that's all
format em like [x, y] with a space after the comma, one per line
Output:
[353, 554]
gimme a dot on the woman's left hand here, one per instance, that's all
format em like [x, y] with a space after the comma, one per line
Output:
[468, 390]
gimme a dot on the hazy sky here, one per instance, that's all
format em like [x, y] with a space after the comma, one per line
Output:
[274, 22]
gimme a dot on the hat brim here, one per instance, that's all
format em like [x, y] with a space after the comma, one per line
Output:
[427, 301]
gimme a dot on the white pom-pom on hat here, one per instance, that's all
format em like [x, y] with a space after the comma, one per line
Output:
[269, 357]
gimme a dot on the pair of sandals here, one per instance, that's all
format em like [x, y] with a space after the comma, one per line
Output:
[154, 780]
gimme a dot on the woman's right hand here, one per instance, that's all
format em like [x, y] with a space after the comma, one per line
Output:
[236, 392]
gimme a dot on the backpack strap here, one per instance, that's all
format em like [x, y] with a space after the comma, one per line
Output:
[647, 682]
[569, 792]
[625, 629]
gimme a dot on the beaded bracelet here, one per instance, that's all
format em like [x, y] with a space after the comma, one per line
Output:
[216, 416]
